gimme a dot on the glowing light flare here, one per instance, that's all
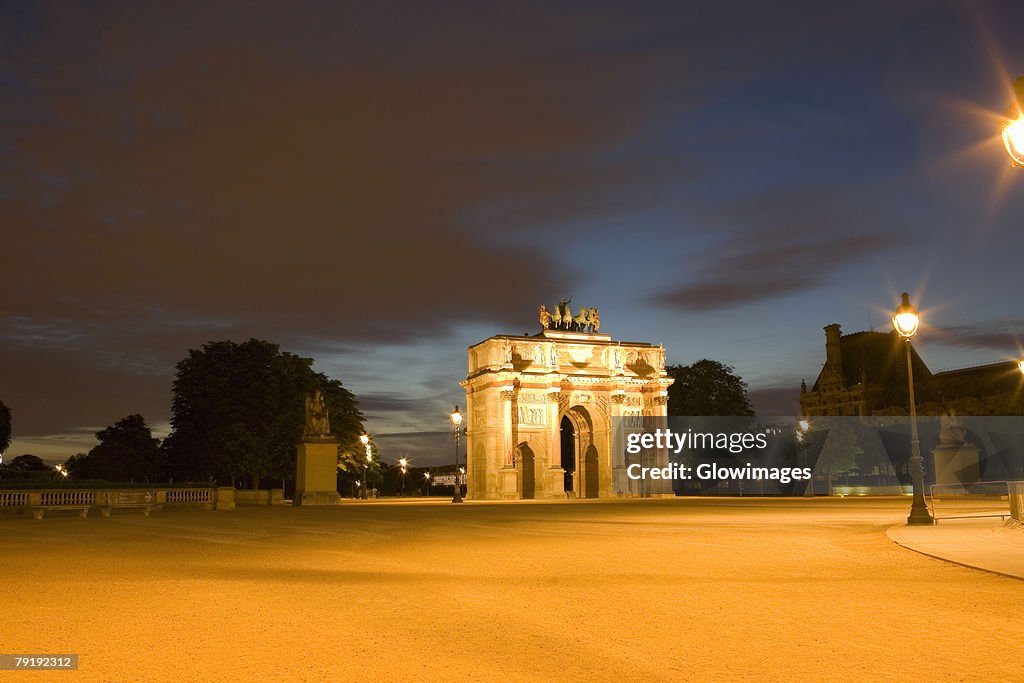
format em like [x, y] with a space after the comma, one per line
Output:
[1020, 365]
[1013, 140]
[906, 318]
[456, 417]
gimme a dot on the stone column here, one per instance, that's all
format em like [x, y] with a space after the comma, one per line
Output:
[509, 419]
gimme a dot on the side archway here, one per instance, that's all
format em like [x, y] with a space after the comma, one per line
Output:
[526, 462]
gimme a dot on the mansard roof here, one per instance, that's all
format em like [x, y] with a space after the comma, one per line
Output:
[877, 358]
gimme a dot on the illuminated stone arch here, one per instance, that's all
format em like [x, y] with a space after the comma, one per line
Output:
[518, 390]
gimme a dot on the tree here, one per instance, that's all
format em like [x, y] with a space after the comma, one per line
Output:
[238, 411]
[707, 388]
[841, 450]
[127, 452]
[5, 427]
[29, 463]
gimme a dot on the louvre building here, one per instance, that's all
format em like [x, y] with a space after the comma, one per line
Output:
[865, 373]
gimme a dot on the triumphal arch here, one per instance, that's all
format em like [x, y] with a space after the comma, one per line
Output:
[545, 411]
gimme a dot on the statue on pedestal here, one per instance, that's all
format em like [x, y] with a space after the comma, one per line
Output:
[951, 430]
[318, 425]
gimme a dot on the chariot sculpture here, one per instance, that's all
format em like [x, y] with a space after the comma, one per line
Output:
[561, 318]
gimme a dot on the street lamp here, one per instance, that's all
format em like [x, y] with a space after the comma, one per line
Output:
[1013, 128]
[426, 479]
[802, 427]
[906, 321]
[365, 440]
[456, 425]
[404, 462]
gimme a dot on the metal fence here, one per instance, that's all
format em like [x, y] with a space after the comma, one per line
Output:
[968, 501]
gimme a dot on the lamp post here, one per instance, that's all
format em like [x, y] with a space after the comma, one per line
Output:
[1013, 128]
[906, 321]
[365, 440]
[802, 427]
[404, 462]
[426, 480]
[456, 425]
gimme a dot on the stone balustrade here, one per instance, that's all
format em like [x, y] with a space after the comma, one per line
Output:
[21, 502]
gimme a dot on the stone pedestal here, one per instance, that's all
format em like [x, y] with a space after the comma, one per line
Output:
[956, 464]
[316, 479]
[509, 482]
[554, 484]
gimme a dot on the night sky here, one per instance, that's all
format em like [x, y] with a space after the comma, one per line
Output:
[379, 186]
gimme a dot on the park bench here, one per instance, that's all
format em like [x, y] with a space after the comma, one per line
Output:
[1003, 516]
[39, 510]
[143, 500]
[145, 507]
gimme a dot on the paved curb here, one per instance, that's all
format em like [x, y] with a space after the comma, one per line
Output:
[897, 534]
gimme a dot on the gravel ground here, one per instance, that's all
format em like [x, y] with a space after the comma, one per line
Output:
[724, 589]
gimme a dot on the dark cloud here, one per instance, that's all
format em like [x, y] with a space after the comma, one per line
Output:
[386, 402]
[778, 244]
[75, 391]
[998, 335]
[422, 447]
[331, 176]
[775, 401]
[170, 177]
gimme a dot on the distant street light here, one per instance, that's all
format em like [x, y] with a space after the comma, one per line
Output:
[404, 462]
[365, 439]
[906, 321]
[1020, 366]
[426, 480]
[456, 425]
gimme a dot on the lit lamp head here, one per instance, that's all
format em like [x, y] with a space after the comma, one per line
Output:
[906, 319]
[456, 417]
[364, 439]
[1013, 128]
[1013, 140]
[1020, 366]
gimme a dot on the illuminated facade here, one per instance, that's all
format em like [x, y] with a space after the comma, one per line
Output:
[542, 410]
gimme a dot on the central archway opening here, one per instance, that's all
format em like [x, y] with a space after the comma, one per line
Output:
[528, 472]
[568, 452]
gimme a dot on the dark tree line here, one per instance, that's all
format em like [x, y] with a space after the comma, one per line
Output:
[238, 411]
[5, 427]
[707, 388]
[127, 451]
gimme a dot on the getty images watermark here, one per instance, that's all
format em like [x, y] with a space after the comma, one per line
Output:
[676, 443]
